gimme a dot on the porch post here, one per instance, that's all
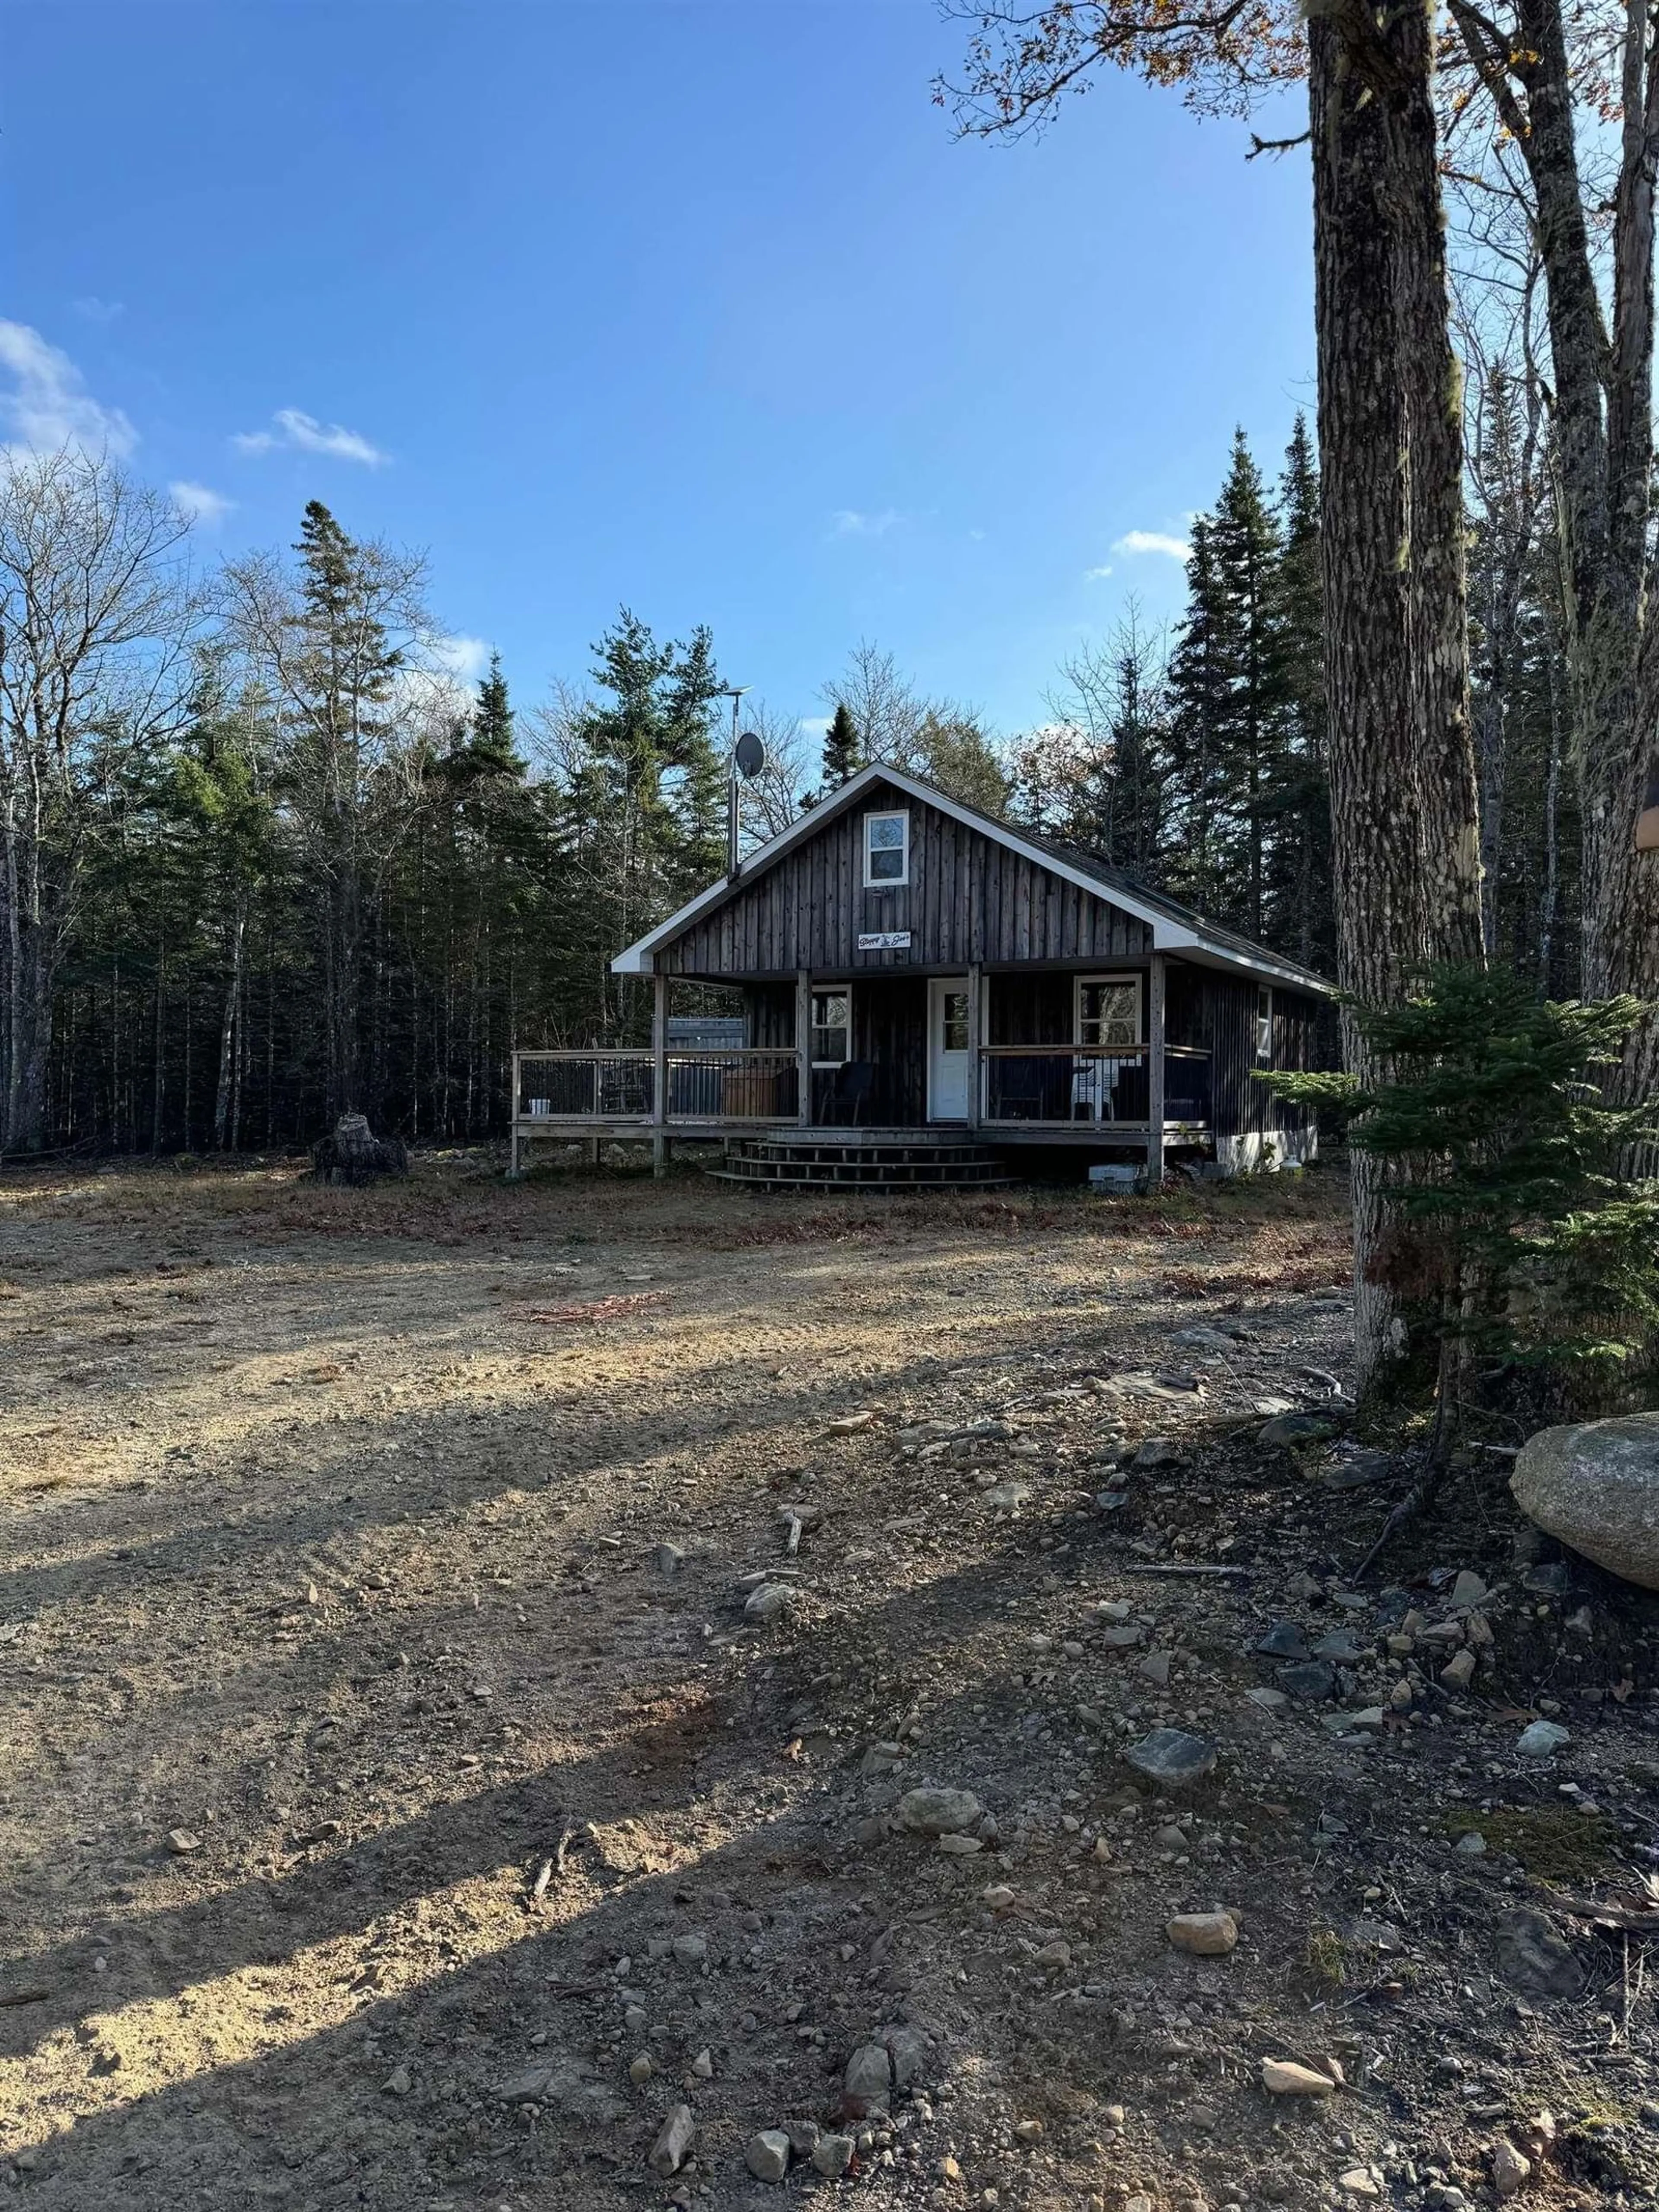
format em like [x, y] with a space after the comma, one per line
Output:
[658, 1073]
[513, 1141]
[804, 1046]
[1155, 1074]
[975, 1034]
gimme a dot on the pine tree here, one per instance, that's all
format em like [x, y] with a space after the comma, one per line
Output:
[1251, 741]
[344, 663]
[1200, 691]
[1131, 835]
[1510, 1233]
[843, 751]
[1239, 784]
[489, 745]
[647, 787]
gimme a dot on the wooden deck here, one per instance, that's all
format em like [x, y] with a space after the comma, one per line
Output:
[595, 1131]
[1093, 1097]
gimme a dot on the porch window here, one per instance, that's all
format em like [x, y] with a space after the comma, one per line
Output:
[1264, 1025]
[886, 850]
[1108, 1010]
[832, 1027]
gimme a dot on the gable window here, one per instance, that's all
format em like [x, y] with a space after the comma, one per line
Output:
[886, 850]
[1108, 1010]
[1264, 1025]
[832, 1027]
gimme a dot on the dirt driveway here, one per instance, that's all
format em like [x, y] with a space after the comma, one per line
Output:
[401, 1808]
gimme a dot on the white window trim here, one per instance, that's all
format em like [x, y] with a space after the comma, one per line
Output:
[829, 991]
[1262, 1055]
[887, 883]
[1128, 976]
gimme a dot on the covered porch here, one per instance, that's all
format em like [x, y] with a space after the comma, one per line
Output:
[1071, 1055]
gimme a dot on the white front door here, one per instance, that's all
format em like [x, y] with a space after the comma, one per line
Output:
[947, 1049]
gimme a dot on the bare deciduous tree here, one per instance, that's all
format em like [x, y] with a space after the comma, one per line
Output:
[96, 613]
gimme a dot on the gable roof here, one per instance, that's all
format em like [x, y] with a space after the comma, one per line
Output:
[1175, 927]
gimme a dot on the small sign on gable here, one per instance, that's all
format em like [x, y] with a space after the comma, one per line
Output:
[884, 940]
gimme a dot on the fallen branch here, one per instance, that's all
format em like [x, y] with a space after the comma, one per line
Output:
[1142, 1568]
[1632, 1920]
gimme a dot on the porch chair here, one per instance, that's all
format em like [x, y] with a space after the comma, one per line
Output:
[856, 1081]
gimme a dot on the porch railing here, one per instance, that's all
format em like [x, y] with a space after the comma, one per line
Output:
[1069, 1086]
[735, 1084]
[1095, 1085]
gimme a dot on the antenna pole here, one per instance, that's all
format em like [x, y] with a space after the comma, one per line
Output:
[731, 797]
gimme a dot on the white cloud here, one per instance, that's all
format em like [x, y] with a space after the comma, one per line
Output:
[303, 432]
[46, 404]
[208, 507]
[850, 522]
[1153, 541]
[91, 309]
[465, 658]
[1096, 575]
[814, 725]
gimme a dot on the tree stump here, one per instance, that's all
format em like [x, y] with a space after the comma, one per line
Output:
[353, 1155]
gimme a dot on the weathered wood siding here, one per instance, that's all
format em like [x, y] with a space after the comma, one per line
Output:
[969, 899]
[1216, 1013]
[769, 1015]
[890, 1036]
[1030, 1009]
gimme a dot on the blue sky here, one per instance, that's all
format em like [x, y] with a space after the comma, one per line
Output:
[695, 306]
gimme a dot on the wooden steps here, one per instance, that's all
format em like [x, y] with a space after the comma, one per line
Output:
[808, 1163]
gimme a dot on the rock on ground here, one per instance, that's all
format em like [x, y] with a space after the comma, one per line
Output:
[1283, 2077]
[1595, 1486]
[1206, 1934]
[766, 2155]
[1172, 1756]
[931, 1812]
[674, 2139]
[832, 2155]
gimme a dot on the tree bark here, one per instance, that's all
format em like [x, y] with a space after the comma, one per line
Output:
[1404, 815]
[1603, 417]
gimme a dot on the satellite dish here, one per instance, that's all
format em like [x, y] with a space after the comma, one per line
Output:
[750, 755]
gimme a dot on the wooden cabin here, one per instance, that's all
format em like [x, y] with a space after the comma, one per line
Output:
[925, 988]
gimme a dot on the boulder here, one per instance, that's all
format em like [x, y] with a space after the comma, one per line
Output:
[1595, 1484]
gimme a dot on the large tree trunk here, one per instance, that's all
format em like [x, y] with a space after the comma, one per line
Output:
[1602, 416]
[1404, 817]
